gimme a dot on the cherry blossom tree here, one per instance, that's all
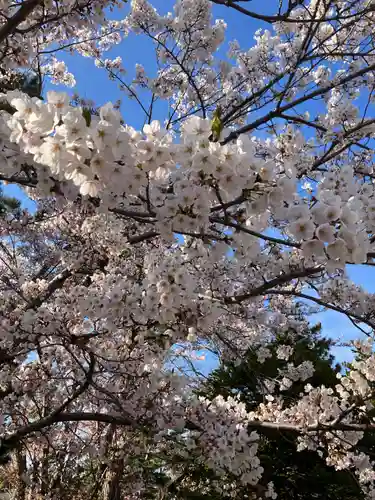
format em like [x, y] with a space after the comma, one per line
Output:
[220, 225]
[295, 474]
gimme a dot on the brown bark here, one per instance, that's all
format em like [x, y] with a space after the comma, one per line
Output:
[112, 484]
[44, 479]
[21, 471]
[12, 23]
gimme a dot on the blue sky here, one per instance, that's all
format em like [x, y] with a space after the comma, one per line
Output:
[93, 83]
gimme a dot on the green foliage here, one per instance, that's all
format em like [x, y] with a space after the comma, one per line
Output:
[216, 124]
[30, 83]
[246, 378]
[296, 474]
[9, 205]
[87, 116]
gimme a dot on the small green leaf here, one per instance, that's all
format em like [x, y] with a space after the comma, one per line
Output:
[87, 116]
[216, 124]
[125, 253]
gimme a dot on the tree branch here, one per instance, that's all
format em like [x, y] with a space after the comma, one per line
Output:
[10, 26]
[280, 280]
[276, 112]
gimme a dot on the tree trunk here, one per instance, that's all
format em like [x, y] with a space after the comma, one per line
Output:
[44, 482]
[21, 471]
[112, 485]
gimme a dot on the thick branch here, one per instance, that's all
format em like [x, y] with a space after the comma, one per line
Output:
[56, 283]
[322, 303]
[11, 25]
[306, 97]
[280, 280]
[11, 442]
[285, 17]
[239, 227]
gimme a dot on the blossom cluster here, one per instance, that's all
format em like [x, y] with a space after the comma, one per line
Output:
[101, 305]
[100, 157]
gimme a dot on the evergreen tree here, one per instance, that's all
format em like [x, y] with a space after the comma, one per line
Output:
[295, 474]
[9, 204]
[29, 83]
